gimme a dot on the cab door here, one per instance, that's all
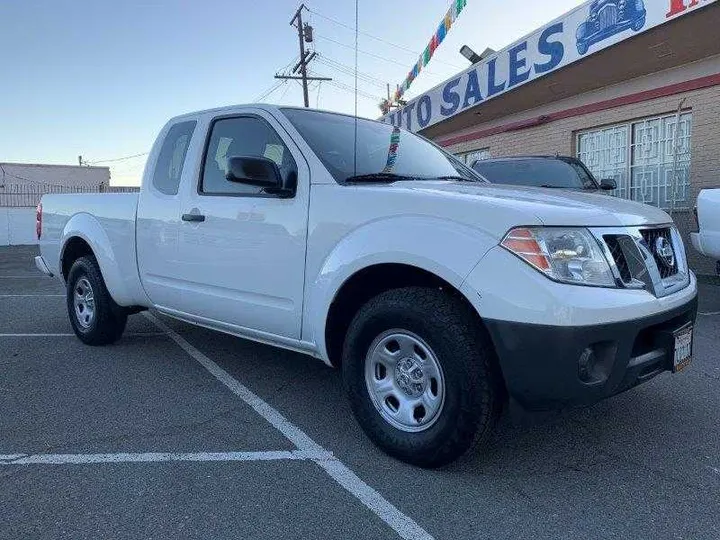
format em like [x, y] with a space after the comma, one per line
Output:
[242, 251]
[158, 215]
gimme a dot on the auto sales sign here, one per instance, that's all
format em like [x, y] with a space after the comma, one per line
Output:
[590, 28]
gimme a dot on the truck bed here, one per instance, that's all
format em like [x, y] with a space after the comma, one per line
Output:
[109, 218]
[707, 239]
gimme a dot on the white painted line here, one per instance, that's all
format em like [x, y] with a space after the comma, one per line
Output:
[25, 277]
[32, 296]
[128, 334]
[403, 525]
[152, 457]
[709, 314]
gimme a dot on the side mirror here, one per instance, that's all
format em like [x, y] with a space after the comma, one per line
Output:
[608, 184]
[255, 171]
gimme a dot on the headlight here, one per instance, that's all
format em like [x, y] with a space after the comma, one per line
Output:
[569, 255]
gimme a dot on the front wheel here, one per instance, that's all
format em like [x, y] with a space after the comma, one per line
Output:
[421, 376]
[95, 317]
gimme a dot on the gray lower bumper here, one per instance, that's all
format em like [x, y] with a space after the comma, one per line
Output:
[42, 266]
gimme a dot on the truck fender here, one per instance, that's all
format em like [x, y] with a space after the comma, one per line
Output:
[427, 243]
[88, 228]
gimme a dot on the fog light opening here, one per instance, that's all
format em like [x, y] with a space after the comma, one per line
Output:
[586, 365]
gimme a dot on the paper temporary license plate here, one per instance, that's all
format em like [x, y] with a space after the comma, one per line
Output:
[683, 349]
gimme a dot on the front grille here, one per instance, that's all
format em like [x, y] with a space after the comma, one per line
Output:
[667, 266]
[613, 244]
[608, 16]
[645, 258]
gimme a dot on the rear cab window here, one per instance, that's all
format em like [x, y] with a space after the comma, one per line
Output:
[170, 163]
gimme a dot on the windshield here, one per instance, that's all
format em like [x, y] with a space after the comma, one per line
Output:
[382, 149]
[537, 172]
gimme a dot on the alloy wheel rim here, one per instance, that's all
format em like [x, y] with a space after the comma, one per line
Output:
[405, 380]
[84, 302]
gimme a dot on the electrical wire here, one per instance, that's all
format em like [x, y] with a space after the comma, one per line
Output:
[381, 40]
[351, 90]
[367, 53]
[115, 160]
[347, 70]
[267, 92]
[287, 87]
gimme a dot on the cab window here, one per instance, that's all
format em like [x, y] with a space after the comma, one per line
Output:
[169, 167]
[242, 137]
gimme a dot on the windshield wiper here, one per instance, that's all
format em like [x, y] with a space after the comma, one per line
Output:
[379, 177]
[458, 177]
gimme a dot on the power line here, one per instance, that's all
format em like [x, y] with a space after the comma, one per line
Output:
[367, 53]
[287, 87]
[114, 160]
[351, 90]
[343, 68]
[381, 40]
[268, 91]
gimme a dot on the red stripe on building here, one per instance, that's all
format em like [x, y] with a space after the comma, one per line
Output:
[639, 97]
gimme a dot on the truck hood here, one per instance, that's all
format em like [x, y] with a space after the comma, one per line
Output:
[549, 206]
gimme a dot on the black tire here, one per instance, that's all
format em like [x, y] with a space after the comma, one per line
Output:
[474, 391]
[108, 322]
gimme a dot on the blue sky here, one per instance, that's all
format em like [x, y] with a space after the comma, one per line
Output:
[99, 78]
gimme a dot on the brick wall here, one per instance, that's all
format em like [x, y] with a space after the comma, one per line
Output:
[559, 136]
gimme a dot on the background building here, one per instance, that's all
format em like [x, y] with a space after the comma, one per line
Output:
[631, 87]
[22, 185]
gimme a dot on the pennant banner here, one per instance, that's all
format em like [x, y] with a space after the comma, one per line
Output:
[450, 17]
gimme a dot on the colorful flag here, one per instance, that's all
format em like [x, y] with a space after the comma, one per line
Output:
[451, 16]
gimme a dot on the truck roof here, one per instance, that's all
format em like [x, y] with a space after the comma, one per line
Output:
[264, 106]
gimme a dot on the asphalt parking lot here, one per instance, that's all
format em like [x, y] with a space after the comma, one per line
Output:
[180, 432]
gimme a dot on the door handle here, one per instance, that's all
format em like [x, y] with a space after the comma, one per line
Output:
[197, 218]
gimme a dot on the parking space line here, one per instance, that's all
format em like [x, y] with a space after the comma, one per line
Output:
[32, 296]
[151, 457]
[709, 314]
[402, 524]
[127, 334]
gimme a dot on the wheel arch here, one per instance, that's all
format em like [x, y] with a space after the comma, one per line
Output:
[84, 235]
[390, 252]
[371, 281]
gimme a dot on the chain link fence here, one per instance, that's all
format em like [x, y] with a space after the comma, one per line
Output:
[28, 195]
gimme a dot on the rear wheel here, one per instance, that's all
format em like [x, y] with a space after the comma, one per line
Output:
[94, 315]
[421, 376]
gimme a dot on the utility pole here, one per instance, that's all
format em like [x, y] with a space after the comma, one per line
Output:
[305, 35]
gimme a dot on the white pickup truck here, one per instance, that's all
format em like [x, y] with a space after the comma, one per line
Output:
[707, 214]
[437, 294]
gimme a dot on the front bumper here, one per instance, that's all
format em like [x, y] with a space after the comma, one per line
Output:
[548, 366]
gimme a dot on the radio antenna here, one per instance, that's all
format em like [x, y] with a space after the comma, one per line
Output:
[357, 25]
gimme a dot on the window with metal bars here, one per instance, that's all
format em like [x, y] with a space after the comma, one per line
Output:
[648, 161]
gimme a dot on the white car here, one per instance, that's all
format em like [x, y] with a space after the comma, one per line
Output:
[707, 212]
[370, 248]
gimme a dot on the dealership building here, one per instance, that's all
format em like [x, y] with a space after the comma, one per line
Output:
[631, 87]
